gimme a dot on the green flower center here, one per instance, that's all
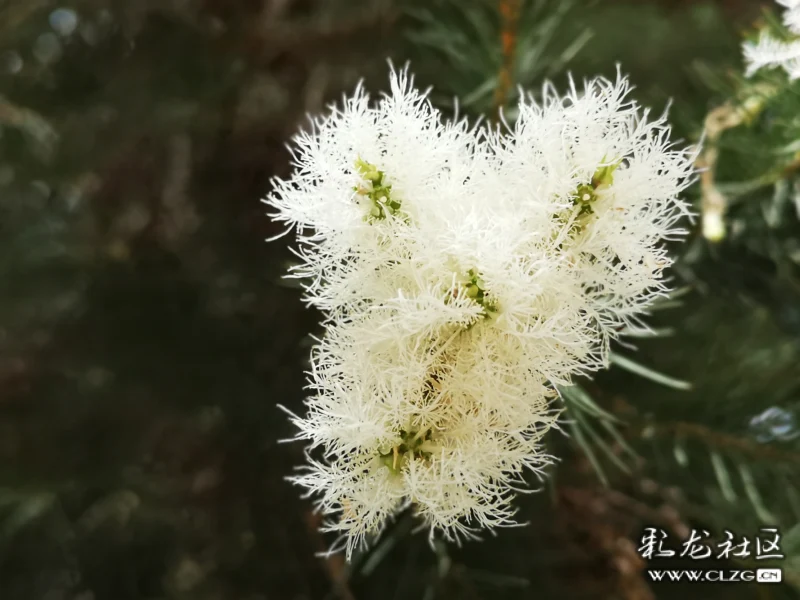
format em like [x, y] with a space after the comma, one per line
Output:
[409, 448]
[476, 289]
[586, 193]
[376, 190]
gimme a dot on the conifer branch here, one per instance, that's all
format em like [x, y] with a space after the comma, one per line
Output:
[718, 440]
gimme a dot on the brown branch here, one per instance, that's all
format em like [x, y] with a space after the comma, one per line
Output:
[714, 204]
[719, 440]
[509, 13]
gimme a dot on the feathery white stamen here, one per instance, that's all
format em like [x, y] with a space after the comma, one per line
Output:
[463, 275]
[771, 52]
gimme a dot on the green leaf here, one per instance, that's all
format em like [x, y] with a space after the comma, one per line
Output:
[589, 451]
[723, 477]
[648, 373]
[754, 496]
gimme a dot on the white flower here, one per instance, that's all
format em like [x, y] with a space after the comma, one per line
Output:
[347, 222]
[772, 52]
[614, 177]
[463, 275]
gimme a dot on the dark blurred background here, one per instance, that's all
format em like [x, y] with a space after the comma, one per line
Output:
[146, 335]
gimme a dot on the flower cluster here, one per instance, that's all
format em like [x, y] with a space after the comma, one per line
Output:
[464, 274]
[772, 52]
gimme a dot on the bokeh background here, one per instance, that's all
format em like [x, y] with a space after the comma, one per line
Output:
[146, 335]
